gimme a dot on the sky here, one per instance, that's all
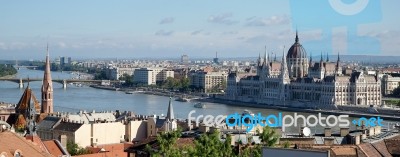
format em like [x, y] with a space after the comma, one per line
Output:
[169, 29]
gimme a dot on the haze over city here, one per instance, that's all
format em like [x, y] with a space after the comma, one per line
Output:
[138, 29]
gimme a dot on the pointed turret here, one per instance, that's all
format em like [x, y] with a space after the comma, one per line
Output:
[259, 60]
[321, 62]
[338, 69]
[265, 57]
[31, 117]
[310, 64]
[23, 109]
[170, 113]
[327, 57]
[47, 87]
[284, 69]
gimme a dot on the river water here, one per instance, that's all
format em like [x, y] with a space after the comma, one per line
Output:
[74, 99]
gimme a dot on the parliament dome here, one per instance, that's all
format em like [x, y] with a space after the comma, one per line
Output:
[296, 50]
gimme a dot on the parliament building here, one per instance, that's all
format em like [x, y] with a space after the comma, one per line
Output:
[299, 82]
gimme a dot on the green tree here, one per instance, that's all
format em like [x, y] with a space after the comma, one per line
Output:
[128, 80]
[7, 70]
[185, 84]
[74, 149]
[268, 136]
[396, 92]
[211, 145]
[167, 145]
[286, 144]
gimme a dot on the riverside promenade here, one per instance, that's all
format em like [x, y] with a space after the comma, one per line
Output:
[355, 112]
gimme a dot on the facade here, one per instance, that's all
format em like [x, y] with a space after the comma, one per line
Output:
[303, 83]
[185, 59]
[47, 88]
[389, 83]
[91, 134]
[117, 72]
[151, 76]
[209, 81]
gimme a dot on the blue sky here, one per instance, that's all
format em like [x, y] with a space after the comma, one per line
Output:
[137, 29]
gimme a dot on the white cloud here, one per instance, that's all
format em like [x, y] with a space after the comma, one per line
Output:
[269, 21]
[163, 33]
[224, 18]
[167, 20]
[196, 32]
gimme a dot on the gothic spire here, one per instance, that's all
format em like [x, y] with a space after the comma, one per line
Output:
[31, 117]
[337, 63]
[321, 58]
[327, 57]
[266, 56]
[47, 87]
[170, 113]
[297, 37]
[284, 68]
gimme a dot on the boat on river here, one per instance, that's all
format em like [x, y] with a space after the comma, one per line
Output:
[199, 105]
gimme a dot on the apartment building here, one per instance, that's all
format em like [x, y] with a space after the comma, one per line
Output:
[151, 76]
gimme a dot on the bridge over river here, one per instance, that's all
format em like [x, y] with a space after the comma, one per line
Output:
[64, 82]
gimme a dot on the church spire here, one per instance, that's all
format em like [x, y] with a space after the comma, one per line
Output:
[170, 113]
[47, 87]
[297, 37]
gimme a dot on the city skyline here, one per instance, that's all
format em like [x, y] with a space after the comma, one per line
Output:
[198, 29]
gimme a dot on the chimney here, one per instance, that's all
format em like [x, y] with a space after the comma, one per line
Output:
[327, 132]
[344, 132]
[63, 140]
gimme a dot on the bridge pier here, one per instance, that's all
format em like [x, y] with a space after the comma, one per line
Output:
[65, 84]
[21, 84]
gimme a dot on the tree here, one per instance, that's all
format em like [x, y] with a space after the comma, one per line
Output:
[167, 144]
[268, 136]
[7, 70]
[128, 80]
[74, 149]
[211, 145]
[396, 92]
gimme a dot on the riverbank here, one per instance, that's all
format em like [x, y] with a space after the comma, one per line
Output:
[394, 115]
[8, 76]
[316, 111]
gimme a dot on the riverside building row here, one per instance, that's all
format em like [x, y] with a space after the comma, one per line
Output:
[300, 82]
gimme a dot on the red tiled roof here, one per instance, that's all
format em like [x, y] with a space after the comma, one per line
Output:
[53, 148]
[381, 148]
[108, 150]
[10, 142]
[368, 149]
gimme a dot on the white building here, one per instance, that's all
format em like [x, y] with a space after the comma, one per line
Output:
[116, 72]
[151, 76]
[209, 81]
[305, 84]
[389, 83]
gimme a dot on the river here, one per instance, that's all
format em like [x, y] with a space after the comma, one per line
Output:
[74, 99]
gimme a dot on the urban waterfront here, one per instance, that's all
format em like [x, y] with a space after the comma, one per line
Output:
[74, 99]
